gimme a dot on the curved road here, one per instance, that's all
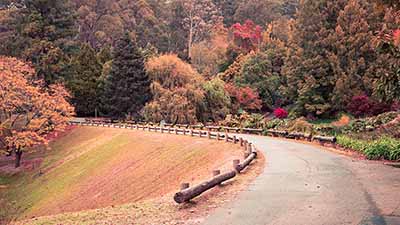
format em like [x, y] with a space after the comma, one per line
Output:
[305, 185]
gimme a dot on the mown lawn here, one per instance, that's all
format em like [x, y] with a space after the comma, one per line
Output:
[98, 167]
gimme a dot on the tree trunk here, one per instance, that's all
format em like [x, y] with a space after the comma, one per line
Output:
[18, 155]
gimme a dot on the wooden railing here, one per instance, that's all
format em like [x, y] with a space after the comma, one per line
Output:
[187, 193]
[323, 140]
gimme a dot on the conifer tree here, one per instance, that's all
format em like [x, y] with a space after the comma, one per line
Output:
[307, 71]
[83, 81]
[353, 54]
[127, 87]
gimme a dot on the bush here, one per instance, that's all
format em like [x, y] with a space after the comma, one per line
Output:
[384, 148]
[362, 105]
[351, 143]
[280, 113]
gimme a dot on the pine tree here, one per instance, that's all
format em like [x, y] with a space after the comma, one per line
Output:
[83, 81]
[127, 88]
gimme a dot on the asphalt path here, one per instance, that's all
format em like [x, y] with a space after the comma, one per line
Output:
[305, 184]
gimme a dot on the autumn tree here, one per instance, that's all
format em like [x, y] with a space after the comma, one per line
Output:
[83, 81]
[209, 55]
[353, 54]
[197, 17]
[243, 98]
[28, 110]
[177, 91]
[127, 87]
[386, 85]
[247, 36]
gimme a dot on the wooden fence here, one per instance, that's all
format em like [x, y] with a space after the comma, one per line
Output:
[187, 193]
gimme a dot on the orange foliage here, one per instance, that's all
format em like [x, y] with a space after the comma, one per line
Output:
[28, 110]
[246, 97]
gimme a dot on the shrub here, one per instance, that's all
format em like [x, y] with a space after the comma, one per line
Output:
[351, 143]
[362, 105]
[280, 113]
[384, 148]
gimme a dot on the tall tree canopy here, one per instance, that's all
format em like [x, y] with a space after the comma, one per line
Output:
[127, 87]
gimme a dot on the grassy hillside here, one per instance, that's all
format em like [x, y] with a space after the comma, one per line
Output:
[92, 168]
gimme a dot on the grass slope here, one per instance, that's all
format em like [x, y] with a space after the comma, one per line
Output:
[93, 168]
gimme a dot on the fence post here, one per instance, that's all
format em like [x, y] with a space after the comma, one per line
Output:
[191, 132]
[226, 137]
[217, 136]
[209, 134]
[241, 141]
[185, 186]
[234, 139]
[235, 164]
[216, 172]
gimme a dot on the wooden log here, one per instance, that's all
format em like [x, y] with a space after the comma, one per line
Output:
[190, 193]
[325, 139]
[246, 162]
[245, 145]
[241, 141]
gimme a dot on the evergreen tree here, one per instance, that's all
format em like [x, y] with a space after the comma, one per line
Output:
[353, 54]
[127, 88]
[47, 28]
[83, 81]
[307, 71]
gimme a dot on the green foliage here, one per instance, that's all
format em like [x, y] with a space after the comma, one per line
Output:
[258, 72]
[47, 28]
[384, 148]
[351, 143]
[83, 81]
[217, 101]
[127, 88]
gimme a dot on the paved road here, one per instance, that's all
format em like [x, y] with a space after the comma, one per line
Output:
[305, 185]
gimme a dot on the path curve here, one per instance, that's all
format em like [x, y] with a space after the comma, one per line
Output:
[305, 184]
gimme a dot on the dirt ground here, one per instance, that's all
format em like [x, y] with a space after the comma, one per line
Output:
[120, 176]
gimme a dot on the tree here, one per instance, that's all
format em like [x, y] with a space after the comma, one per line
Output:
[28, 110]
[197, 19]
[177, 91]
[243, 98]
[259, 73]
[260, 12]
[386, 85]
[247, 36]
[217, 101]
[127, 88]
[83, 81]
[209, 55]
[227, 9]
[353, 56]
[308, 73]
[44, 33]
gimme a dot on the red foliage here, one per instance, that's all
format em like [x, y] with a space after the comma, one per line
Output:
[362, 105]
[280, 113]
[247, 36]
[246, 97]
[396, 37]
